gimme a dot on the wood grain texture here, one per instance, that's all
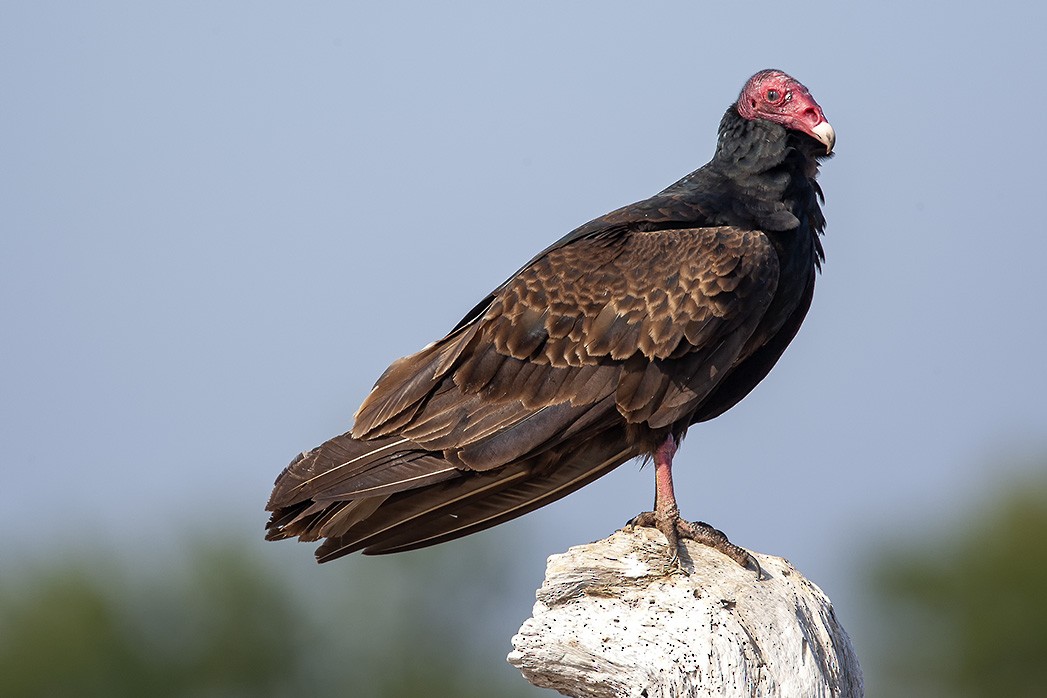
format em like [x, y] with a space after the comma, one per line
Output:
[613, 621]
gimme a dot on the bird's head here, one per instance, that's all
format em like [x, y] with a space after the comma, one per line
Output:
[775, 96]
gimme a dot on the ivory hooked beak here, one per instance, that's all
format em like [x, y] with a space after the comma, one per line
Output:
[825, 134]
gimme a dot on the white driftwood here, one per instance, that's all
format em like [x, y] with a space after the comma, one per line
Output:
[613, 620]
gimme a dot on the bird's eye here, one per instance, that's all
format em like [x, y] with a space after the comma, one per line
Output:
[773, 95]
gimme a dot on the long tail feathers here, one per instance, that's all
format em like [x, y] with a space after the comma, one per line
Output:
[389, 495]
[506, 503]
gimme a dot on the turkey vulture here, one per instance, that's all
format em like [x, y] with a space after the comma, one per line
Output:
[606, 346]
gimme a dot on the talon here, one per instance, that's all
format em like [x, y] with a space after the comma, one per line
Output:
[675, 528]
[666, 517]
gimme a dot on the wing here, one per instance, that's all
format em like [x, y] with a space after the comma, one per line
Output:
[656, 319]
[527, 401]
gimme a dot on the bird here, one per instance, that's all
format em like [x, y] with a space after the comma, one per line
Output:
[605, 347]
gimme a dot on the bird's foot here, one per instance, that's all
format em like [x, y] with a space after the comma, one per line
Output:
[673, 527]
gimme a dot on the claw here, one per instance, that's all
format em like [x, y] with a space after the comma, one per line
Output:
[674, 528]
[666, 516]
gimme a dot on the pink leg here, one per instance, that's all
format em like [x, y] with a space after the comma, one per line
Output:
[664, 496]
[666, 515]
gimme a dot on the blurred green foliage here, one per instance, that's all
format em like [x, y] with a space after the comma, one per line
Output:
[228, 621]
[960, 612]
[963, 613]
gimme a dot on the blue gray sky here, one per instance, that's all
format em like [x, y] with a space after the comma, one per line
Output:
[219, 222]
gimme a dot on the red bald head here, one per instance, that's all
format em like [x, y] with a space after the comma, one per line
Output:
[775, 96]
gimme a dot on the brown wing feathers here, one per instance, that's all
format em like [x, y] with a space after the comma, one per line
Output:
[482, 501]
[530, 400]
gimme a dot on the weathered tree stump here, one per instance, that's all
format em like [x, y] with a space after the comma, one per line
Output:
[613, 619]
